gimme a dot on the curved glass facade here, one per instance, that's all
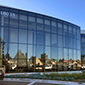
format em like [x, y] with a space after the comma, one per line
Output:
[83, 49]
[35, 42]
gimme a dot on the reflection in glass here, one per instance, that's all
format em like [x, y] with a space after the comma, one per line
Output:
[74, 54]
[23, 21]
[22, 36]
[4, 34]
[54, 40]
[60, 41]
[14, 21]
[31, 22]
[47, 51]
[59, 28]
[54, 53]
[40, 38]
[74, 32]
[22, 52]
[47, 39]
[60, 55]
[13, 35]
[70, 54]
[30, 51]
[65, 54]
[47, 25]
[13, 51]
[54, 27]
[65, 32]
[39, 24]
[4, 21]
[31, 37]
[39, 51]
[70, 43]
[70, 31]
[65, 42]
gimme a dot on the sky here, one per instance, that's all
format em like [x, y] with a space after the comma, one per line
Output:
[69, 10]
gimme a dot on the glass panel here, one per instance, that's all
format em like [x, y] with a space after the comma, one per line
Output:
[23, 17]
[13, 35]
[22, 36]
[21, 65]
[47, 39]
[31, 22]
[54, 27]
[59, 28]
[39, 27]
[31, 25]
[70, 43]
[60, 41]
[53, 23]
[14, 20]
[31, 37]
[78, 44]
[40, 38]
[13, 51]
[23, 24]
[65, 41]
[39, 20]
[65, 54]
[5, 49]
[54, 40]
[22, 52]
[82, 50]
[47, 28]
[74, 54]
[74, 32]
[47, 25]
[47, 22]
[54, 53]
[66, 59]
[23, 21]
[47, 51]
[65, 30]
[31, 58]
[60, 59]
[74, 43]
[60, 55]
[4, 34]
[4, 21]
[70, 55]
[70, 31]
[41, 58]
[32, 19]
[30, 51]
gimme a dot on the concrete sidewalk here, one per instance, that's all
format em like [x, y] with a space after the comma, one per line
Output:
[33, 81]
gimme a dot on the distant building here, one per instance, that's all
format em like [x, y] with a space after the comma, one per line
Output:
[83, 49]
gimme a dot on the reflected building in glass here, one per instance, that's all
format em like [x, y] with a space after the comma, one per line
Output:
[83, 49]
[34, 42]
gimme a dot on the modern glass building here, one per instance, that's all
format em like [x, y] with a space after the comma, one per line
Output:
[83, 49]
[34, 42]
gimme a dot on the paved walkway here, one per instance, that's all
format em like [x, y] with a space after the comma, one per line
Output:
[41, 82]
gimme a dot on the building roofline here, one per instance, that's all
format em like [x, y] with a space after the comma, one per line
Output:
[40, 14]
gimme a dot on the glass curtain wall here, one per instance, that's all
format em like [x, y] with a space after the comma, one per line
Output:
[34, 42]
